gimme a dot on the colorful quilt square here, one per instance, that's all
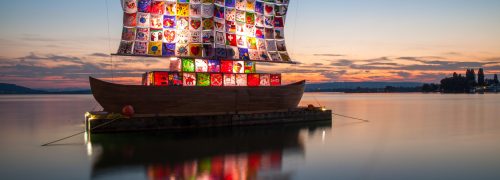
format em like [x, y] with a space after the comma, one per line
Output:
[226, 66]
[201, 65]
[241, 80]
[216, 80]
[214, 66]
[203, 79]
[188, 65]
[154, 48]
[189, 79]
[275, 79]
[253, 80]
[229, 79]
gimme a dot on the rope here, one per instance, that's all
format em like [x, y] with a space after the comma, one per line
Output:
[295, 27]
[317, 102]
[67, 137]
[109, 41]
[364, 120]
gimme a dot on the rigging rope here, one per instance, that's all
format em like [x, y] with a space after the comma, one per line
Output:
[109, 41]
[70, 136]
[364, 120]
[350, 117]
[295, 27]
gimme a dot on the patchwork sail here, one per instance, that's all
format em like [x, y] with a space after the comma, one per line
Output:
[212, 29]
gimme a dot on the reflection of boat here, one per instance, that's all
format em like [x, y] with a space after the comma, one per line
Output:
[195, 100]
[216, 154]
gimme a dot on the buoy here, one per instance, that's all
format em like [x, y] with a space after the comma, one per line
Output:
[128, 110]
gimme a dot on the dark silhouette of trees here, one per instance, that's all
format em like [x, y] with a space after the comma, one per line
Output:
[455, 84]
[480, 77]
[470, 75]
[430, 87]
[459, 84]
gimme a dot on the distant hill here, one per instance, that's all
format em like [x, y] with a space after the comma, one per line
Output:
[354, 85]
[15, 89]
[324, 87]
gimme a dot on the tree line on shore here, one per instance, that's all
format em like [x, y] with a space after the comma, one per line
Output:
[462, 84]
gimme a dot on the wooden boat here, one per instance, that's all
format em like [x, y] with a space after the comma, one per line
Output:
[182, 100]
[200, 56]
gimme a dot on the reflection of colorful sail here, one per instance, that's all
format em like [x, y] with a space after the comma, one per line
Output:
[232, 25]
[241, 153]
[245, 166]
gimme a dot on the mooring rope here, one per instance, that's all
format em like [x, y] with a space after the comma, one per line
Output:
[364, 120]
[350, 117]
[67, 137]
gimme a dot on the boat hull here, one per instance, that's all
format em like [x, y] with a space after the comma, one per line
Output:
[178, 100]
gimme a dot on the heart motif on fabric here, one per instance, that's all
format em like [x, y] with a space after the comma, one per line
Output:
[195, 24]
[195, 50]
[269, 9]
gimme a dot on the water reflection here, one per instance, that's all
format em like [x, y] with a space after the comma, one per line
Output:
[234, 153]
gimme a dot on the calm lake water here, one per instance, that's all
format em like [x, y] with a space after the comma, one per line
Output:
[409, 136]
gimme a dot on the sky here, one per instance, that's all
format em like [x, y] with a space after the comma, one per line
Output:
[59, 43]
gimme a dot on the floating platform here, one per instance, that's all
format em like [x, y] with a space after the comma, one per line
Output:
[103, 122]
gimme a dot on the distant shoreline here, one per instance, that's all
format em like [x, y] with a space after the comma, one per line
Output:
[338, 87]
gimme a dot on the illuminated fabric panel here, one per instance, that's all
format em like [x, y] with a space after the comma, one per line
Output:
[203, 79]
[154, 49]
[176, 65]
[250, 67]
[230, 29]
[175, 79]
[188, 65]
[201, 65]
[151, 79]
[265, 80]
[226, 66]
[275, 79]
[168, 49]
[216, 80]
[241, 80]
[238, 67]
[189, 79]
[213, 66]
[253, 80]
[229, 80]
[160, 78]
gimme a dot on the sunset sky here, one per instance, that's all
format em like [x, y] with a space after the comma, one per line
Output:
[59, 43]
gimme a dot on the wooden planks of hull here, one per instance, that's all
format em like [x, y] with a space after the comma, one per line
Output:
[195, 100]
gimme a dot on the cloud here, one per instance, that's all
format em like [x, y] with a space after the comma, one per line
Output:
[329, 55]
[57, 68]
[37, 37]
[403, 74]
[382, 64]
[35, 68]
[453, 53]
[100, 55]
[342, 62]
[380, 59]
[415, 64]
